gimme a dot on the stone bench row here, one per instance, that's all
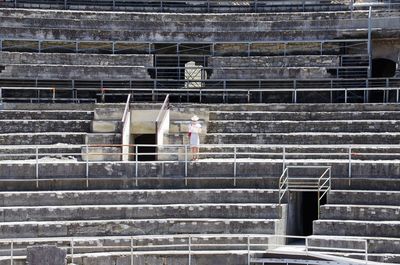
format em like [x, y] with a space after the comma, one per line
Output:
[182, 26]
[194, 17]
[139, 227]
[360, 212]
[302, 138]
[270, 72]
[357, 228]
[175, 36]
[144, 211]
[306, 107]
[76, 59]
[31, 126]
[137, 197]
[69, 169]
[45, 115]
[75, 72]
[359, 197]
[49, 138]
[303, 116]
[340, 126]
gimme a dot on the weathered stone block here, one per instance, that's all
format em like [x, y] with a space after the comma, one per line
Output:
[46, 255]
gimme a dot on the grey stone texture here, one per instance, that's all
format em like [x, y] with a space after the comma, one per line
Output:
[145, 60]
[275, 61]
[270, 73]
[46, 255]
[82, 72]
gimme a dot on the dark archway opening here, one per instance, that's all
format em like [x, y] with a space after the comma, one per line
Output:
[381, 68]
[309, 206]
[146, 153]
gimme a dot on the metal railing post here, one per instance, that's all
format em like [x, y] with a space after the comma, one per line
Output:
[234, 166]
[366, 251]
[136, 164]
[131, 250]
[306, 245]
[349, 164]
[87, 166]
[190, 249]
[248, 250]
[12, 253]
[37, 166]
[369, 42]
[72, 250]
[283, 158]
[186, 164]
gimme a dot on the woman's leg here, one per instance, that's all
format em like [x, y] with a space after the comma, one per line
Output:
[196, 152]
[193, 152]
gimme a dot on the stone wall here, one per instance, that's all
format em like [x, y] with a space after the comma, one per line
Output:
[272, 72]
[76, 59]
[275, 61]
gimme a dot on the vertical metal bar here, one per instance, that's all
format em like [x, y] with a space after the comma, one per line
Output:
[234, 166]
[65, 4]
[306, 245]
[131, 250]
[248, 250]
[349, 165]
[113, 4]
[190, 249]
[369, 43]
[72, 250]
[366, 251]
[345, 95]
[1, 45]
[12, 253]
[283, 158]
[15, 3]
[137, 164]
[1, 95]
[186, 164]
[40, 46]
[87, 166]
[37, 166]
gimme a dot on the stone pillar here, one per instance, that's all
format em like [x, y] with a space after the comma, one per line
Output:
[46, 255]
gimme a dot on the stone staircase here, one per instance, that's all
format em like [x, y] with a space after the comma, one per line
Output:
[371, 215]
[106, 220]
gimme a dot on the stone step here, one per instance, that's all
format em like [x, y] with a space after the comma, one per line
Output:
[362, 197]
[76, 59]
[45, 114]
[276, 152]
[200, 36]
[200, 17]
[375, 245]
[103, 138]
[357, 228]
[303, 116]
[13, 152]
[232, 126]
[275, 61]
[24, 126]
[75, 72]
[125, 227]
[307, 107]
[271, 73]
[360, 212]
[182, 26]
[137, 197]
[43, 138]
[144, 211]
[143, 243]
[303, 138]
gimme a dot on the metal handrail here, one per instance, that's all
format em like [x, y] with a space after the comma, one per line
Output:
[189, 246]
[161, 114]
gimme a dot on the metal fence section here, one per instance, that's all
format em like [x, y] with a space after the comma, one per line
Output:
[176, 157]
[187, 245]
[201, 6]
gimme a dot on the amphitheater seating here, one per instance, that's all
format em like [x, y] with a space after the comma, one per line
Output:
[116, 215]
[363, 214]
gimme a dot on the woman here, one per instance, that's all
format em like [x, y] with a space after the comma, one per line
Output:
[194, 139]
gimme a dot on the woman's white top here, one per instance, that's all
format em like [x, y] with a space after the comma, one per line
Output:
[195, 129]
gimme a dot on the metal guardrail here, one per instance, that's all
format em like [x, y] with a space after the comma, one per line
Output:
[162, 114]
[231, 154]
[188, 246]
[322, 184]
[201, 6]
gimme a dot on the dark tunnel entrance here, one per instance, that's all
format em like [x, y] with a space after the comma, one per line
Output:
[381, 68]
